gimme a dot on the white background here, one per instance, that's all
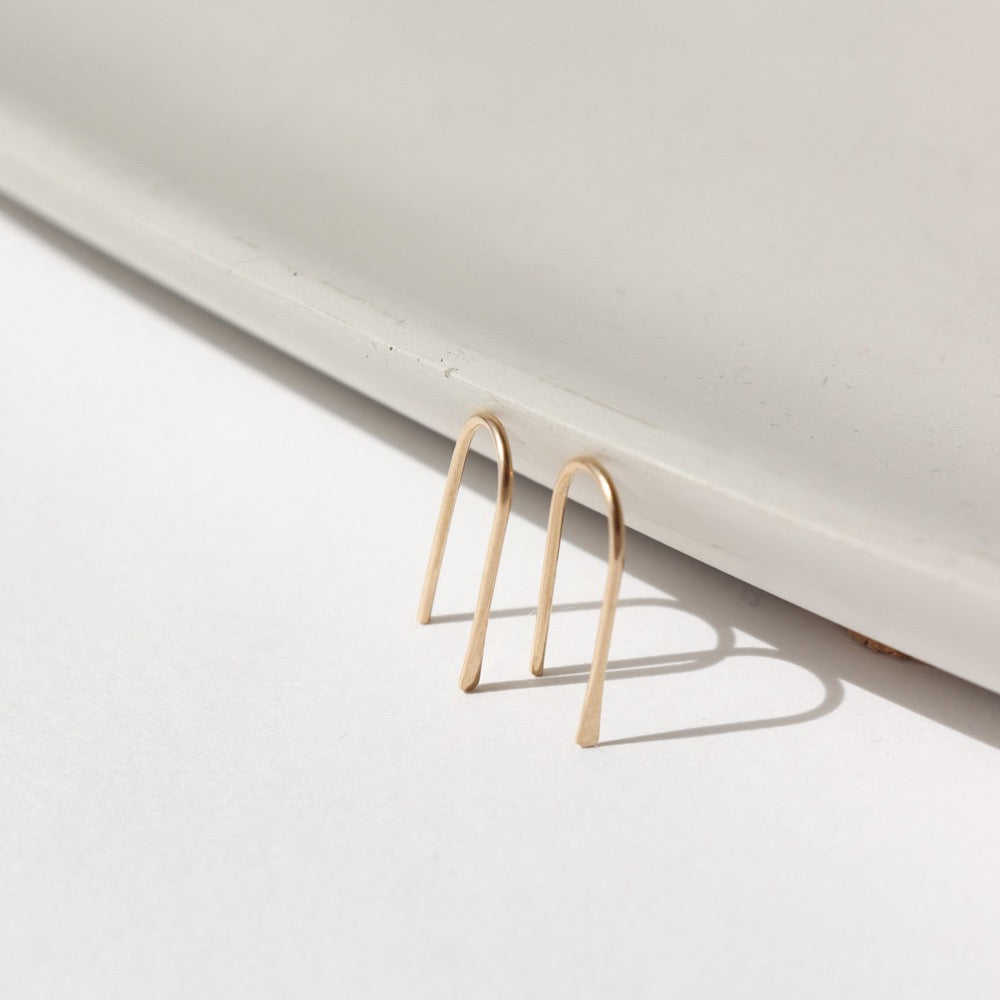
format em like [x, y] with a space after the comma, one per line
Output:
[232, 764]
[746, 253]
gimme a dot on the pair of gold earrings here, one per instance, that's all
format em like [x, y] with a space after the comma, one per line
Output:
[588, 731]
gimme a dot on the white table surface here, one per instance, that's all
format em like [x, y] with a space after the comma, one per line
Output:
[232, 764]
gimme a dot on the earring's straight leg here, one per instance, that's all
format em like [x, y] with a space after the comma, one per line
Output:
[472, 667]
[588, 731]
[436, 556]
[550, 562]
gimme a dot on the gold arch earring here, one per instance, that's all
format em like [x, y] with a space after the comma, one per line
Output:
[472, 667]
[589, 729]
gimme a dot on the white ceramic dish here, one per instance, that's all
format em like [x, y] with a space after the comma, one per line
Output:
[748, 256]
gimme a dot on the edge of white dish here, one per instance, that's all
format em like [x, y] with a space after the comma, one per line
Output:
[934, 602]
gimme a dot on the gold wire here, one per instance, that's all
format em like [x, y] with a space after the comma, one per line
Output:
[472, 666]
[589, 729]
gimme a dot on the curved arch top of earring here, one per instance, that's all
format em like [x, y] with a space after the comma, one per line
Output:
[589, 729]
[472, 667]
